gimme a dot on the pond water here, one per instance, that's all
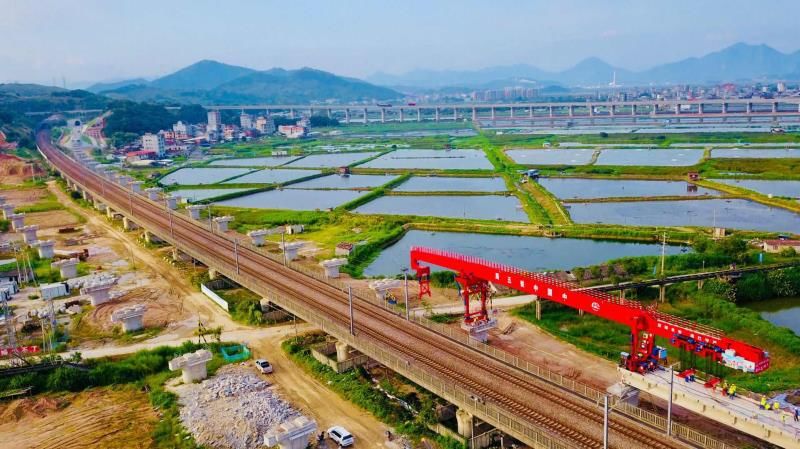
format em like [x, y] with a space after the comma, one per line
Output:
[551, 157]
[266, 161]
[647, 157]
[733, 213]
[530, 253]
[271, 175]
[780, 312]
[484, 207]
[294, 199]
[776, 188]
[195, 176]
[753, 153]
[331, 159]
[202, 194]
[345, 182]
[568, 188]
[450, 184]
[434, 159]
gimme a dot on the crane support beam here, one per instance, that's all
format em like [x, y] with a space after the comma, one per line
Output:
[645, 322]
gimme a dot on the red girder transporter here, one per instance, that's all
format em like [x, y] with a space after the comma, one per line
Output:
[474, 274]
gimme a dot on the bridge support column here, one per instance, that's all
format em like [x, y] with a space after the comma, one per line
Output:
[419, 115]
[662, 293]
[366, 116]
[474, 114]
[329, 112]
[383, 115]
[402, 116]
[538, 303]
[724, 108]
[749, 108]
[455, 114]
[550, 111]
[677, 108]
[110, 213]
[511, 112]
[700, 283]
[466, 423]
[342, 351]
[775, 107]
[492, 113]
[622, 294]
[530, 112]
[580, 312]
[213, 274]
[700, 108]
[149, 237]
[436, 115]
[633, 110]
[346, 116]
[571, 111]
[128, 224]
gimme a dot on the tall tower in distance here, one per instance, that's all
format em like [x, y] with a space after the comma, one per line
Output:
[214, 121]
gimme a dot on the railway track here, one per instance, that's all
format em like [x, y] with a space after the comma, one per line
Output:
[566, 417]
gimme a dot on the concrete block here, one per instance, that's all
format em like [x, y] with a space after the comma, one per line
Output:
[131, 317]
[98, 292]
[193, 365]
[292, 434]
[331, 266]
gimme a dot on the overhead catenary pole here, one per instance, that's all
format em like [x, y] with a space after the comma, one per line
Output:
[663, 252]
[283, 245]
[405, 287]
[605, 422]
[236, 253]
[350, 300]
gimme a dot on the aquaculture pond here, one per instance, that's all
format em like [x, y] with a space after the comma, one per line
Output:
[552, 156]
[293, 199]
[767, 187]
[273, 175]
[480, 207]
[197, 176]
[726, 213]
[753, 153]
[574, 188]
[452, 184]
[326, 160]
[203, 194]
[780, 312]
[266, 161]
[650, 157]
[432, 159]
[530, 253]
[345, 182]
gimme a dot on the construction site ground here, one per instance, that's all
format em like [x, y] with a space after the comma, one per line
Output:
[113, 418]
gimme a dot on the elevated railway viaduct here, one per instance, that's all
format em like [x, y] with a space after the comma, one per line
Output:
[537, 407]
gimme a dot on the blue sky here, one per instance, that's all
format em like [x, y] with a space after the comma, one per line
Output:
[91, 40]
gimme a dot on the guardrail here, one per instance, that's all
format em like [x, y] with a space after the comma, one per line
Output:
[490, 413]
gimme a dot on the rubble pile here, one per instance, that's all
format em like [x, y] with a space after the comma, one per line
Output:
[232, 410]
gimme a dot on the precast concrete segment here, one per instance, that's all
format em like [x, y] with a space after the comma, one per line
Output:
[532, 400]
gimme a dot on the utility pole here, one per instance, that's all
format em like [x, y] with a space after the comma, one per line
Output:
[605, 422]
[210, 225]
[405, 286]
[663, 252]
[669, 404]
[350, 300]
[236, 253]
[283, 245]
[130, 200]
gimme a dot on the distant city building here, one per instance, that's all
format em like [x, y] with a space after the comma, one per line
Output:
[230, 132]
[781, 87]
[246, 121]
[183, 130]
[292, 131]
[142, 155]
[265, 125]
[214, 122]
[154, 143]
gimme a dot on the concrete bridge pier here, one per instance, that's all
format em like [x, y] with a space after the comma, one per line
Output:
[292, 434]
[46, 249]
[382, 286]
[153, 193]
[346, 116]
[68, 268]
[402, 116]
[29, 234]
[291, 249]
[343, 351]
[17, 221]
[662, 293]
[571, 111]
[98, 293]
[366, 116]
[149, 237]
[331, 267]
[258, 236]
[8, 210]
[131, 317]
[474, 114]
[700, 283]
[193, 365]
[109, 213]
[172, 201]
[466, 423]
[383, 115]
[213, 274]
[436, 115]
[222, 223]
[419, 115]
[538, 305]
[492, 113]
[194, 211]
[124, 180]
[128, 224]
[633, 110]
[86, 196]
[455, 114]
[99, 206]
[136, 186]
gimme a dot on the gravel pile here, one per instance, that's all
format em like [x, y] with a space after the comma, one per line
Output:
[232, 410]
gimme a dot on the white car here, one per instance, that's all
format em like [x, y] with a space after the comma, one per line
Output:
[341, 436]
[263, 366]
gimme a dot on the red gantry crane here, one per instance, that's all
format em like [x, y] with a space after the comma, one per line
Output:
[474, 275]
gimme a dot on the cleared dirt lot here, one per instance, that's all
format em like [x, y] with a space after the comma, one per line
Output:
[97, 418]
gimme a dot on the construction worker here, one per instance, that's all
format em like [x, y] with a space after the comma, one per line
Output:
[776, 406]
[763, 402]
[732, 391]
[783, 418]
[796, 414]
[725, 388]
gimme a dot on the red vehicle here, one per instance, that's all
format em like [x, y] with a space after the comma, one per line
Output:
[412, 103]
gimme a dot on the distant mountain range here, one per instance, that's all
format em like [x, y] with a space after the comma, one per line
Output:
[212, 82]
[737, 63]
